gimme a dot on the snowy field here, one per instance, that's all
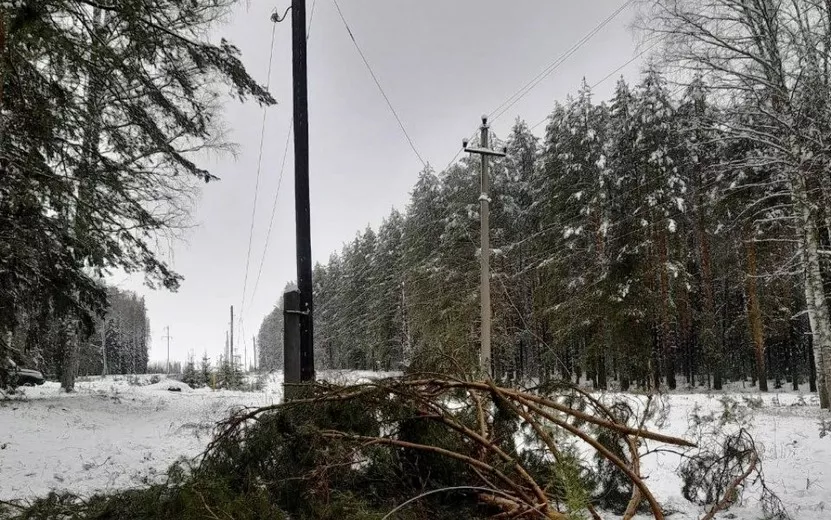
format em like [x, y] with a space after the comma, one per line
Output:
[112, 434]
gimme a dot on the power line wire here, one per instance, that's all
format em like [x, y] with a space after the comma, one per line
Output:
[273, 210]
[522, 92]
[311, 19]
[632, 60]
[609, 76]
[528, 87]
[280, 179]
[277, 192]
[378, 83]
[259, 169]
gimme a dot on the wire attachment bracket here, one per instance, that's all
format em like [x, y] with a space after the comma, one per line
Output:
[276, 18]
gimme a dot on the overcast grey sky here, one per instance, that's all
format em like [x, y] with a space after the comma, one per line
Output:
[442, 63]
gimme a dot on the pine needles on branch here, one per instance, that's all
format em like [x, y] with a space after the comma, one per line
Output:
[420, 448]
[430, 434]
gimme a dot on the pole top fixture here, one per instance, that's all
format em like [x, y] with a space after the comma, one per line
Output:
[276, 18]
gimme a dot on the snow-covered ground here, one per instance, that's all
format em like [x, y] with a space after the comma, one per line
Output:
[112, 434]
[796, 461]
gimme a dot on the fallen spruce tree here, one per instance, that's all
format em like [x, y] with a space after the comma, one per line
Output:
[415, 448]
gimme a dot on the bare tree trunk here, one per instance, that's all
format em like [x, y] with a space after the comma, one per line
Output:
[686, 334]
[70, 350]
[666, 330]
[603, 265]
[754, 314]
[655, 361]
[710, 338]
[817, 304]
[825, 184]
[812, 369]
[2, 66]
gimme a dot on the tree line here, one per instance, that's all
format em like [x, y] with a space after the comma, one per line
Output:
[123, 330]
[105, 110]
[678, 232]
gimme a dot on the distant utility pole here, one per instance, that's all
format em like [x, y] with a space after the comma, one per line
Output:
[167, 336]
[232, 335]
[254, 348]
[104, 345]
[485, 246]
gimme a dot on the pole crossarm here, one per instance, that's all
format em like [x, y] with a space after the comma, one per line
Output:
[486, 151]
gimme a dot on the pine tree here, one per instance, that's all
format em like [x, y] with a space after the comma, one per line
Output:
[614, 256]
[387, 330]
[205, 376]
[755, 53]
[702, 152]
[515, 329]
[87, 82]
[662, 191]
[189, 374]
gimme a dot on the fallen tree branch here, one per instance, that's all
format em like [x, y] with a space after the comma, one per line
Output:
[632, 442]
[437, 400]
[382, 385]
[490, 491]
[12, 504]
[636, 480]
[730, 493]
[331, 434]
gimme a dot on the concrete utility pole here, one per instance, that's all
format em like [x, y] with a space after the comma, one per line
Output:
[485, 246]
[167, 336]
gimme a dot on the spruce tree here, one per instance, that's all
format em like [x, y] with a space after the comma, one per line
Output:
[104, 106]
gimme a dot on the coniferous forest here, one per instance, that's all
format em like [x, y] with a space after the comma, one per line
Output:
[124, 330]
[627, 247]
[674, 234]
[671, 233]
[105, 107]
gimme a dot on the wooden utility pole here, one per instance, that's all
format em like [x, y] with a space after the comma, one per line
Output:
[167, 336]
[254, 353]
[485, 248]
[291, 343]
[301, 189]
